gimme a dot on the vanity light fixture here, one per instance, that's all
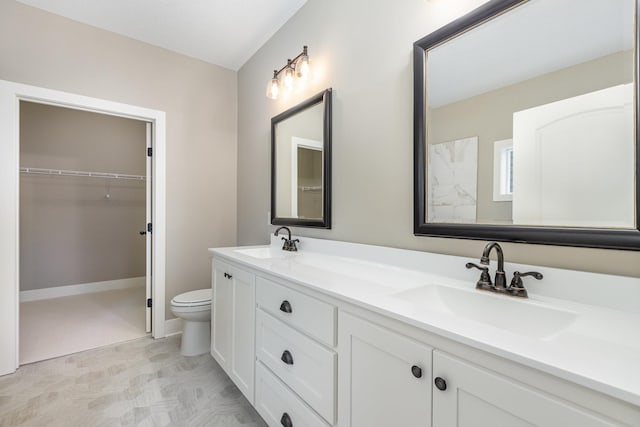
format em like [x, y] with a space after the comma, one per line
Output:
[296, 67]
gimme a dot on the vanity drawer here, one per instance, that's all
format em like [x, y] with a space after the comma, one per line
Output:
[274, 400]
[305, 366]
[312, 316]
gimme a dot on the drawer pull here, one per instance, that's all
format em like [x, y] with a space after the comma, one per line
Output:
[227, 275]
[416, 371]
[441, 384]
[287, 357]
[286, 420]
[285, 307]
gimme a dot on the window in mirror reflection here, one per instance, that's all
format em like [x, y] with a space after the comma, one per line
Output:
[562, 93]
[503, 170]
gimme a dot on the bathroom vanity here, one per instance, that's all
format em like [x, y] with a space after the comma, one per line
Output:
[342, 334]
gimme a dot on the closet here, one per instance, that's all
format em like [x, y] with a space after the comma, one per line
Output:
[84, 246]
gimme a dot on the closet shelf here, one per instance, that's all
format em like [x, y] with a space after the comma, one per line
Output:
[62, 172]
[311, 188]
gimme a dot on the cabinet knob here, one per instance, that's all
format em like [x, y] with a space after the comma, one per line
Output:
[440, 383]
[416, 371]
[227, 275]
[287, 357]
[285, 307]
[286, 420]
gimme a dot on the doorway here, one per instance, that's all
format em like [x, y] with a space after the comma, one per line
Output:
[306, 178]
[84, 209]
[11, 94]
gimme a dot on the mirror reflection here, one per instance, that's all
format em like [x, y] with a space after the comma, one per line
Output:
[530, 118]
[300, 164]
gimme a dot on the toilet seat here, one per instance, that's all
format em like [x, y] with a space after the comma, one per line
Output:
[199, 298]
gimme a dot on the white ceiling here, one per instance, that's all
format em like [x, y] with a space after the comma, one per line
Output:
[221, 32]
[536, 38]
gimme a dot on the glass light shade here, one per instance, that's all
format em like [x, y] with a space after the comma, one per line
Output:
[273, 88]
[288, 78]
[303, 67]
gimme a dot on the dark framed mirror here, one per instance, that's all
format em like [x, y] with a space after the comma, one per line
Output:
[301, 164]
[525, 118]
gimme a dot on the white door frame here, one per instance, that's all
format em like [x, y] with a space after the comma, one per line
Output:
[11, 94]
[148, 241]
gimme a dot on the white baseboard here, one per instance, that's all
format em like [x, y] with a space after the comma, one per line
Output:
[82, 288]
[172, 327]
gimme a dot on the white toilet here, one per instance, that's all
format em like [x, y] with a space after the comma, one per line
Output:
[194, 308]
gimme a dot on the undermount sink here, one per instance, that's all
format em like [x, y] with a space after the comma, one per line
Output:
[523, 317]
[263, 253]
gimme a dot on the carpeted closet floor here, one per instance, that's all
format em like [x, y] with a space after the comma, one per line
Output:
[61, 326]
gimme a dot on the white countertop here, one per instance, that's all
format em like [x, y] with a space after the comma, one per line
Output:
[597, 345]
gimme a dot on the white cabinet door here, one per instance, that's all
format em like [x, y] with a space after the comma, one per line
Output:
[384, 378]
[222, 296]
[233, 324]
[475, 396]
[243, 354]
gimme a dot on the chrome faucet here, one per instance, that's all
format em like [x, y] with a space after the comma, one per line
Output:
[289, 245]
[516, 288]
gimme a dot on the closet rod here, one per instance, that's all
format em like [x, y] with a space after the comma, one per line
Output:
[311, 188]
[62, 172]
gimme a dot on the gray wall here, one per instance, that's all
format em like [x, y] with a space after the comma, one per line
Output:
[79, 229]
[43, 49]
[363, 50]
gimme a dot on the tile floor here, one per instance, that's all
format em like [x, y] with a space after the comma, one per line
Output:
[144, 382]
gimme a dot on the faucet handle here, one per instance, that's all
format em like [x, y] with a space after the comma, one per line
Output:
[535, 274]
[472, 265]
[516, 288]
[517, 277]
[484, 282]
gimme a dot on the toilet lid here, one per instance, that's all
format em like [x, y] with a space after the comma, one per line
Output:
[194, 297]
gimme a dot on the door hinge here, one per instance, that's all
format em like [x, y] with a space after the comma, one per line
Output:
[149, 151]
[149, 228]
[149, 304]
